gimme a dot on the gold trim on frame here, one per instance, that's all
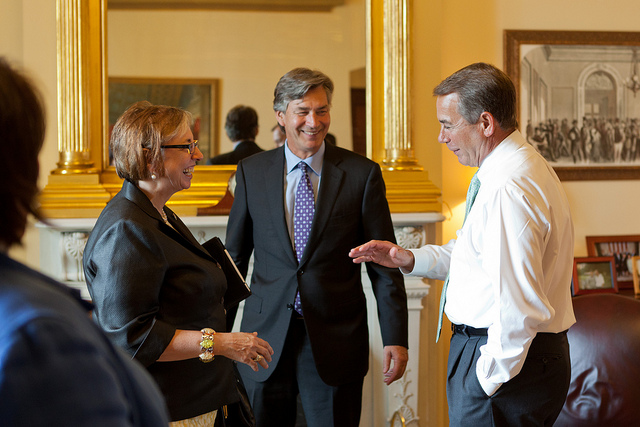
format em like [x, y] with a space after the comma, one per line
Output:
[82, 184]
[307, 5]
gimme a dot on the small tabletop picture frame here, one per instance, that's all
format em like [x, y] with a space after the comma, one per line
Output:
[594, 275]
[635, 269]
[621, 248]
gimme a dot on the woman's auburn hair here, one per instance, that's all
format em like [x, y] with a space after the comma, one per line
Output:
[139, 134]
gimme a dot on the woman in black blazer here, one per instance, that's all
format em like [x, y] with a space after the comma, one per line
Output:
[157, 292]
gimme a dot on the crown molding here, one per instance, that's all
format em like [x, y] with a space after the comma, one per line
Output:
[275, 5]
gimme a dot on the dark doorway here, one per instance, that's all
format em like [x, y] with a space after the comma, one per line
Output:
[359, 120]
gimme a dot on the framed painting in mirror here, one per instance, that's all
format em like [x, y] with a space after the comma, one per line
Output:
[198, 96]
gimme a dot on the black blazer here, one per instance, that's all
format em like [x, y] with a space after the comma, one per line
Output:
[147, 280]
[242, 150]
[351, 209]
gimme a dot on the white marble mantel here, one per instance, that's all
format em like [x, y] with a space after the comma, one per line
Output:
[62, 244]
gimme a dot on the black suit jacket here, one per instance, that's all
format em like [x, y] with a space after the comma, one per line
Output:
[242, 150]
[351, 209]
[147, 280]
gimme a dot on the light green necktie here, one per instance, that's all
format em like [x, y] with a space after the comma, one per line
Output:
[472, 192]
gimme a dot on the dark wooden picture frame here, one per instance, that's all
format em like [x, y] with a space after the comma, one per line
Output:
[563, 66]
[198, 96]
[622, 248]
[594, 275]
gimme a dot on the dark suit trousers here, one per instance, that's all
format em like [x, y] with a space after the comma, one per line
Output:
[534, 397]
[274, 401]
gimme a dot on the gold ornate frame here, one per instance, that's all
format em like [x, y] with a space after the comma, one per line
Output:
[636, 274]
[81, 184]
[514, 39]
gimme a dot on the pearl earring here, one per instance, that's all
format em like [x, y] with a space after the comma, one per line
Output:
[153, 176]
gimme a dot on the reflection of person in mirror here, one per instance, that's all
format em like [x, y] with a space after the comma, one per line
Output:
[308, 299]
[157, 292]
[56, 366]
[241, 126]
[507, 273]
[278, 135]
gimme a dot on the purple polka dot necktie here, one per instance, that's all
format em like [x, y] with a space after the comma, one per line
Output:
[303, 211]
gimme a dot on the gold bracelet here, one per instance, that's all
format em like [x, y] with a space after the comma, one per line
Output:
[206, 345]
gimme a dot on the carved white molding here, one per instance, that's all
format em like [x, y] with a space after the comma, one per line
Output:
[410, 237]
[73, 244]
[407, 413]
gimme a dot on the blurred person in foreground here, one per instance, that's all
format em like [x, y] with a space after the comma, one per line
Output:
[241, 126]
[57, 368]
[308, 299]
[508, 273]
[157, 292]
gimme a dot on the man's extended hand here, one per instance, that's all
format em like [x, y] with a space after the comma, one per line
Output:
[399, 356]
[384, 253]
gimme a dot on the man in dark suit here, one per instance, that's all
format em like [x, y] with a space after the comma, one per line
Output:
[241, 126]
[321, 347]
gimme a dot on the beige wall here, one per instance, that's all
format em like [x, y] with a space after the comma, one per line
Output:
[468, 31]
[449, 35]
[28, 40]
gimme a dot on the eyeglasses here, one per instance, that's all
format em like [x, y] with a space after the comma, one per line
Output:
[190, 147]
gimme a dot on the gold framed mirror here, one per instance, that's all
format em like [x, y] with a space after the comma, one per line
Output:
[82, 183]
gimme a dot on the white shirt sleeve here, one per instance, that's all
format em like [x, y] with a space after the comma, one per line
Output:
[431, 261]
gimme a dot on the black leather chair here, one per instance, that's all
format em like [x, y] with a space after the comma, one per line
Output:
[605, 362]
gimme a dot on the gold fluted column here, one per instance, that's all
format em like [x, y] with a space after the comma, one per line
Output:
[74, 188]
[388, 86]
[74, 86]
[398, 150]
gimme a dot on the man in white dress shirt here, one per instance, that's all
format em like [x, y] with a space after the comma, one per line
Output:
[508, 272]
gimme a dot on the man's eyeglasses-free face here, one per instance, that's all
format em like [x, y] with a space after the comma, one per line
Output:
[190, 147]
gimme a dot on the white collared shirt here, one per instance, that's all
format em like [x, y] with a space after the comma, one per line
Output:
[511, 264]
[292, 175]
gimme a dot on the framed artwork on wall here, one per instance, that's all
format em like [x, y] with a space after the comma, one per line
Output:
[579, 99]
[622, 249]
[198, 96]
[594, 275]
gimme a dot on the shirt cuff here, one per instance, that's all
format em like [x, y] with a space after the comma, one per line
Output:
[489, 387]
[424, 262]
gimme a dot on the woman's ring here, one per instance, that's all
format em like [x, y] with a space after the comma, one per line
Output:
[258, 358]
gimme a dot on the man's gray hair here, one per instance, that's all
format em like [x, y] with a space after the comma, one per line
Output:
[482, 87]
[295, 85]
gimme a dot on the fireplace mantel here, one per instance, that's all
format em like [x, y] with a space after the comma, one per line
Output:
[62, 244]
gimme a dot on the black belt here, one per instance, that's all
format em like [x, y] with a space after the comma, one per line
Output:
[468, 330]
